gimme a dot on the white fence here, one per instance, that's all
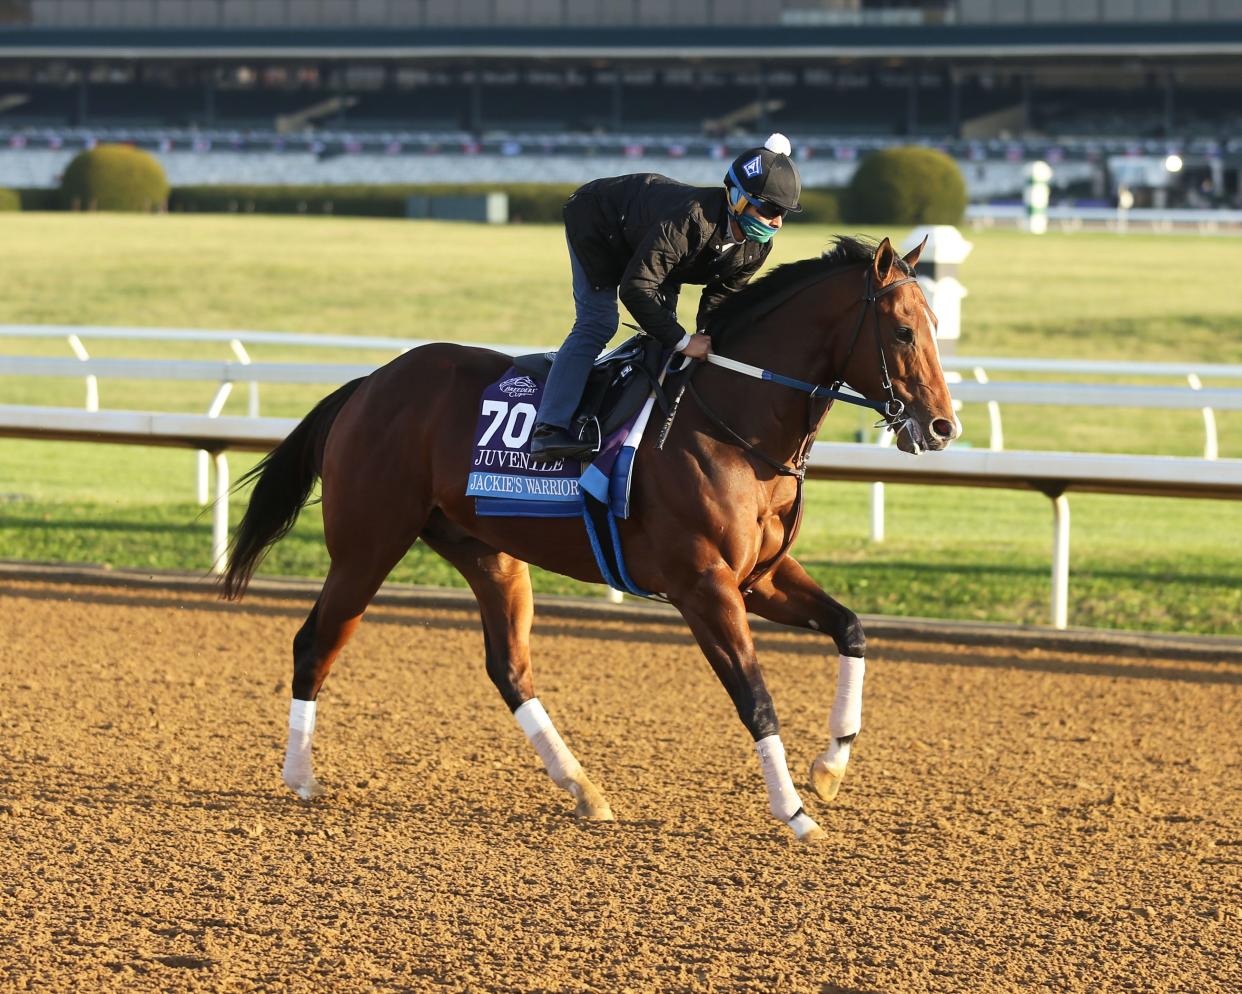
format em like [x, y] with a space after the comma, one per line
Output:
[1051, 473]
[1070, 218]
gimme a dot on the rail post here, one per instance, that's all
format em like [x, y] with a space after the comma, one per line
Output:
[996, 431]
[217, 405]
[220, 514]
[1060, 559]
[243, 357]
[92, 383]
[1211, 449]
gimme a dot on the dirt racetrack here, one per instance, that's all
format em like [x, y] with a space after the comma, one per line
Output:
[1013, 820]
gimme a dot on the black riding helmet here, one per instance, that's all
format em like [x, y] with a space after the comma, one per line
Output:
[765, 175]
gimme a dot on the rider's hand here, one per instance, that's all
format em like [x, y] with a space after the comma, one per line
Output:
[699, 347]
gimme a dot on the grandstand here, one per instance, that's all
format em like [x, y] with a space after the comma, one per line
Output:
[989, 80]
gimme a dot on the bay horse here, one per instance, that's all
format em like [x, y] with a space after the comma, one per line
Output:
[715, 509]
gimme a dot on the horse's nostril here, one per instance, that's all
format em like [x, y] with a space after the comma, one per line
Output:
[942, 428]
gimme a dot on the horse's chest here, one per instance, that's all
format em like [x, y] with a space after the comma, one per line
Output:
[775, 515]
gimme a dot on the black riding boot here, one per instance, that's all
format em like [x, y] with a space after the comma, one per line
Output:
[551, 442]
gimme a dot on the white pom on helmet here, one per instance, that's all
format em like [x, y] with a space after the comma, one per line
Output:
[778, 143]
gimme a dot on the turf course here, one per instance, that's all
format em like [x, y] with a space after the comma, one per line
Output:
[1136, 563]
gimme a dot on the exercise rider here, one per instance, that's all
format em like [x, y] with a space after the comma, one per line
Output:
[643, 236]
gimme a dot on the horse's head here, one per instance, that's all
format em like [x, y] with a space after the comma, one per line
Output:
[898, 337]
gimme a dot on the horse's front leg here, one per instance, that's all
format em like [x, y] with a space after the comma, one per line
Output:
[713, 608]
[789, 597]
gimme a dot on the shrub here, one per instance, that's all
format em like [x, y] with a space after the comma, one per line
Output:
[906, 185]
[10, 200]
[533, 203]
[114, 178]
[530, 202]
[38, 198]
[820, 207]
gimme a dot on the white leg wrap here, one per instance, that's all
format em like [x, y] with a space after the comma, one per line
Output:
[561, 765]
[298, 772]
[846, 716]
[783, 799]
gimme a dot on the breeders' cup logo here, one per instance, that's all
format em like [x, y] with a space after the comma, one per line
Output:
[754, 167]
[519, 386]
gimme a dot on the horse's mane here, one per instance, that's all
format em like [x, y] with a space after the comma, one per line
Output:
[774, 286]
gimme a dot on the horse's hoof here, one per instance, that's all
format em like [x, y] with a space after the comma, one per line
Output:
[827, 774]
[591, 805]
[597, 811]
[806, 830]
[307, 791]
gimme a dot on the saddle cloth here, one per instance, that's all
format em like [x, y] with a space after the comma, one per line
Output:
[506, 483]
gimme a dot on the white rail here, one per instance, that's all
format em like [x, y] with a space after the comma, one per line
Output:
[1052, 473]
[1071, 218]
[982, 389]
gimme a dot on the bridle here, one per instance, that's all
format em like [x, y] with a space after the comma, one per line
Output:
[890, 410]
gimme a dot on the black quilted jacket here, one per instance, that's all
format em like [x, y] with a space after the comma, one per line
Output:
[648, 235]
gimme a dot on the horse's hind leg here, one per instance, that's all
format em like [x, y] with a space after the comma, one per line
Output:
[790, 597]
[351, 583]
[501, 585]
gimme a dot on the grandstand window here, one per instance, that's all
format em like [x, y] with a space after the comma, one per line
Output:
[652, 12]
[533, 12]
[368, 77]
[463, 13]
[15, 12]
[689, 11]
[638, 77]
[738, 12]
[408, 78]
[545, 77]
[267, 13]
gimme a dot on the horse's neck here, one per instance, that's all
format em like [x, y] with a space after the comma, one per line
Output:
[790, 340]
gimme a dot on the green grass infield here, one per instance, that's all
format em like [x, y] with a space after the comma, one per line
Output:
[1137, 563]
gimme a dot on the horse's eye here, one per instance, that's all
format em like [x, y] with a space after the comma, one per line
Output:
[905, 335]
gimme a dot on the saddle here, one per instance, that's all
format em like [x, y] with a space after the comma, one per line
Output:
[618, 384]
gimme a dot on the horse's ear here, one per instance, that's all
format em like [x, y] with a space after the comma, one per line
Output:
[882, 263]
[911, 258]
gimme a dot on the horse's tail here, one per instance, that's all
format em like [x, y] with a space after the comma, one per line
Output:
[284, 479]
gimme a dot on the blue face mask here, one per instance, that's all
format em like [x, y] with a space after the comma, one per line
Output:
[754, 229]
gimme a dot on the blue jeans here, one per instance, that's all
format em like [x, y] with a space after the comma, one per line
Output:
[595, 323]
